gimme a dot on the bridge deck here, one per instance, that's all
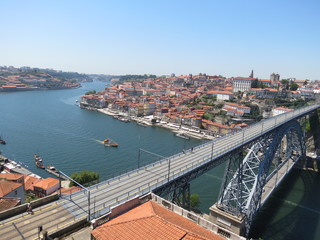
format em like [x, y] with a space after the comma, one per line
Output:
[115, 191]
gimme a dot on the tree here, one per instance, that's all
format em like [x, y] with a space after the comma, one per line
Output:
[84, 177]
[208, 116]
[194, 200]
[285, 82]
[255, 84]
[91, 92]
[255, 112]
[293, 86]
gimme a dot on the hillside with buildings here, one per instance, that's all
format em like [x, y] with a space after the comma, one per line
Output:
[26, 78]
[210, 103]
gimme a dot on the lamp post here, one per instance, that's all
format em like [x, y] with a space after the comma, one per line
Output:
[212, 149]
[139, 158]
[169, 170]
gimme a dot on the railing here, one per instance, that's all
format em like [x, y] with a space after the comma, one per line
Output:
[105, 207]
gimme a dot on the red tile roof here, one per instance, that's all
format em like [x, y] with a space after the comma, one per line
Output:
[7, 203]
[7, 186]
[11, 176]
[46, 183]
[151, 221]
[29, 181]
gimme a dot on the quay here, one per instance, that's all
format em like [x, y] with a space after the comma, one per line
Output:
[56, 174]
[147, 122]
[14, 167]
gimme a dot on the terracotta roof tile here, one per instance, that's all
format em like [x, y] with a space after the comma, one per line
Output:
[29, 181]
[151, 221]
[11, 176]
[7, 186]
[46, 183]
[7, 203]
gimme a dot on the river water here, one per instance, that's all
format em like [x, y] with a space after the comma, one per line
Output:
[49, 123]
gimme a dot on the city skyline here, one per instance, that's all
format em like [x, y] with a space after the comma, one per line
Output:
[141, 37]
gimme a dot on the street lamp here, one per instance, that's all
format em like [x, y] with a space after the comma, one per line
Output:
[169, 170]
[212, 150]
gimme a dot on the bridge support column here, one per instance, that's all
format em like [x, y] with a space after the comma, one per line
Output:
[315, 125]
[224, 220]
[181, 196]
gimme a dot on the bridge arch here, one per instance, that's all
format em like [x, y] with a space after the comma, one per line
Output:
[241, 196]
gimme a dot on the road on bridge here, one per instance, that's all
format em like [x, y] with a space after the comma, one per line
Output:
[110, 193]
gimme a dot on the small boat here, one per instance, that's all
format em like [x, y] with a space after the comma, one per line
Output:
[142, 124]
[2, 141]
[182, 135]
[51, 169]
[109, 143]
[124, 119]
[38, 161]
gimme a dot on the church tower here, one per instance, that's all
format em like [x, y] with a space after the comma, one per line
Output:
[251, 75]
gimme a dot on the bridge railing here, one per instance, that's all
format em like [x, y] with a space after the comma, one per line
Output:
[176, 173]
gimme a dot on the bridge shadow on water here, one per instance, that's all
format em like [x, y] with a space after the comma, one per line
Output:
[292, 211]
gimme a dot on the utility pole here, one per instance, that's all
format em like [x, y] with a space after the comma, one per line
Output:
[139, 158]
[212, 149]
[89, 206]
[169, 169]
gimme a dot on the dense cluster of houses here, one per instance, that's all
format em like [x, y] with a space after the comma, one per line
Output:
[171, 99]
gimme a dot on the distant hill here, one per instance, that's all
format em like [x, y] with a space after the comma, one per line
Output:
[79, 77]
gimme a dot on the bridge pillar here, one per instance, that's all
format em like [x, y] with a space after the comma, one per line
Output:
[224, 220]
[181, 196]
[315, 125]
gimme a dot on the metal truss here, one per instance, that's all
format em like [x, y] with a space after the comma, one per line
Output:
[238, 192]
[245, 179]
[181, 196]
[168, 190]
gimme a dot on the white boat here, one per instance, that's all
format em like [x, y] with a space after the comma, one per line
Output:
[182, 135]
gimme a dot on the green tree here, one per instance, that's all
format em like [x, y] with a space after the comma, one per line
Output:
[293, 86]
[194, 201]
[255, 84]
[85, 178]
[91, 92]
[208, 116]
[255, 112]
[285, 82]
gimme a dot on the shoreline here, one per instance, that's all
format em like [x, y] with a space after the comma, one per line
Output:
[147, 123]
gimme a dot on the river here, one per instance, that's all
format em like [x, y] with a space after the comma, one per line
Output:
[50, 124]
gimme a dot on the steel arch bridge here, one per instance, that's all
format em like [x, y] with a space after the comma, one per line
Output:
[245, 181]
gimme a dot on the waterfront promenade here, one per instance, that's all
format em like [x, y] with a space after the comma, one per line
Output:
[147, 122]
[110, 193]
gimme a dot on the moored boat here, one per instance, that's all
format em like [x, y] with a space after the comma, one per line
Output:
[38, 161]
[142, 124]
[2, 141]
[109, 143]
[51, 169]
[124, 119]
[182, 135]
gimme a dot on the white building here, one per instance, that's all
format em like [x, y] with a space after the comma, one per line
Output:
[241, 84]
[280, 110]
[221, 95]
[243, 109]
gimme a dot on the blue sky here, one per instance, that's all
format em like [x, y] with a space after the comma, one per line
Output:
[227, 37]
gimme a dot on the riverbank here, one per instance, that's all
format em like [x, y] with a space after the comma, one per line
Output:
[147, 121]
[11, 166]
